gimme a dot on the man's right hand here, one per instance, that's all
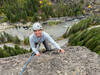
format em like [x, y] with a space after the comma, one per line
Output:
[38, 54]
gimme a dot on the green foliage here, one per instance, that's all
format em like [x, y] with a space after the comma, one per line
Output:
[5, 37]
[47, 10]
[64, 35]
[4, 20]
[10, 9]
[2, 38]
[20, 50]
[84, 24]
[3, 53]
[29, 10]
[26, 41]
[89, 38]
[43, 16]
[68, 8]
[19, 10]
[53, 22]
[8, 37]
[16, 40]
[73, 8]
[97, 49]
[31, 7]
[9, 51]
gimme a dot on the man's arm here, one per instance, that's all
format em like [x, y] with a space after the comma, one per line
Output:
[52, 41]
[32, 44]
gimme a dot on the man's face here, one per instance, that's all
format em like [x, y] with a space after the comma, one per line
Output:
[38, 33]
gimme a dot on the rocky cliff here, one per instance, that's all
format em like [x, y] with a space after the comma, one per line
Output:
[75, 61]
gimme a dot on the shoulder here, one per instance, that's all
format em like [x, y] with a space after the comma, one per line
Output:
[45, 33]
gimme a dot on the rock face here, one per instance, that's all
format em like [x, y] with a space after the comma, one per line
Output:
[75, 61]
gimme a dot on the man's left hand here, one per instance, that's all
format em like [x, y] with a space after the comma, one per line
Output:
[61, 50]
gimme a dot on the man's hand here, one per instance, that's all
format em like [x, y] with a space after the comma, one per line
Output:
[61, 50]
[38, 54]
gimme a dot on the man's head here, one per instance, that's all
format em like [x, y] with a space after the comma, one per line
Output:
[37, 28]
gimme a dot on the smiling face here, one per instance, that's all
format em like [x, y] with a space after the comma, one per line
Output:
[38, 33]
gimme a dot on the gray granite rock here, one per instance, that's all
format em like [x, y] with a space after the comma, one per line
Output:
[75, 61]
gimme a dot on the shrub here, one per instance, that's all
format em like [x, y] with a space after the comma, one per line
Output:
[16, 40]
[74, 8]
[89, 38]
[3, 53]
[27, 8]
[10, 51]
[2, 38]
[18, 50]
[26, 41]
[30, 9]
[5, 37]
[43, 16]
[84, 24]
[8, 37]
[97, 49]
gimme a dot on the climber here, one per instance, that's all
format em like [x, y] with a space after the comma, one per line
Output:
[39, 36]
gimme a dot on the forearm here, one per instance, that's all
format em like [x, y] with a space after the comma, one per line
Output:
[32, 45]
[35, 50]
[54, 43]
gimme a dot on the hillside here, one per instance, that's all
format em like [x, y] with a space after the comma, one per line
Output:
[85, 33]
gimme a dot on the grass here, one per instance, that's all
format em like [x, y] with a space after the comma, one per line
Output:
[51, 23]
